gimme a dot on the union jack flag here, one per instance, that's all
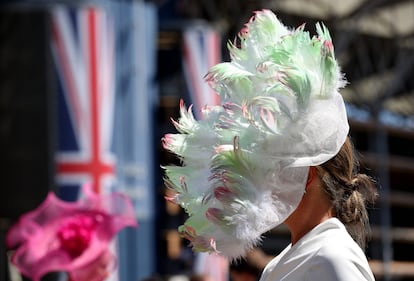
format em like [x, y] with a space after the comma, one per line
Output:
[83, 51]
[200, 52]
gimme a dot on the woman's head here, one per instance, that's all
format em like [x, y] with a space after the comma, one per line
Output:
[349, 191]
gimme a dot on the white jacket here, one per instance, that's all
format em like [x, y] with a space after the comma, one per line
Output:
[326, 253]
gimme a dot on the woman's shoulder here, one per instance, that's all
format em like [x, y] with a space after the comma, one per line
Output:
[336, 242]
[340, 254]
[342, 259]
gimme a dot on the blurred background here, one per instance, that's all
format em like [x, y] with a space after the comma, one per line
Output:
[87, 90]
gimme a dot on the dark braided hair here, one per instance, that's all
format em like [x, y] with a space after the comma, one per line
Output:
[349, 191]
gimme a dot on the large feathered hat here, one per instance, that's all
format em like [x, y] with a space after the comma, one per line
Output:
[245, 163]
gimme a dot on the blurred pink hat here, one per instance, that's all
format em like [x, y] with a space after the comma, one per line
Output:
[70, 236]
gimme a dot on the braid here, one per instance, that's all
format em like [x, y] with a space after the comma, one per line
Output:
[349, 191]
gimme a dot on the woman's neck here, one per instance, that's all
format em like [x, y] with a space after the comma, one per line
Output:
[313, 209]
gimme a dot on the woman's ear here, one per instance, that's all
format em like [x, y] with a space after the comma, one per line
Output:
[311, 176]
